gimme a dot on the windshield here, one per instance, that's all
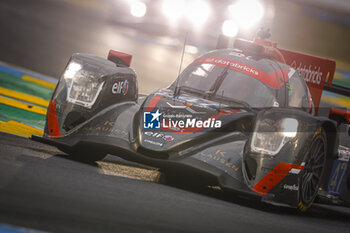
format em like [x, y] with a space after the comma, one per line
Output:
[227, 85]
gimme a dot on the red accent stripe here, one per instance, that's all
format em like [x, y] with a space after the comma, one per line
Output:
[274, 177]
[52, 121]
[153, 103]
[274, 79]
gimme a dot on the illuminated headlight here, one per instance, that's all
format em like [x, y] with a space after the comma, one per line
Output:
[83, 85]
[269, 137]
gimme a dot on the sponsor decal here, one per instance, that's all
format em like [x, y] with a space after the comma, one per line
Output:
[338, 177]
[120, 87]
[125, 87]
[343, 154]
[219, 156]
[309, 73]
[168, 138]
[267, 78]
[159, 135]
[107, 127]
[239, 66]
[295, 171]
[293, 187]
[153, 142]
[151, 120]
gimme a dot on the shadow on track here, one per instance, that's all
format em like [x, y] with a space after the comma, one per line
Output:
[317, 211]
[42, 188]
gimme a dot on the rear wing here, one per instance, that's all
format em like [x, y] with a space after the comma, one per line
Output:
[318, 72]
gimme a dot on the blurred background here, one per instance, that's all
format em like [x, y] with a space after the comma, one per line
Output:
[41, 35]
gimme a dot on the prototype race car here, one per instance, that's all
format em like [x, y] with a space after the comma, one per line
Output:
[244, 119]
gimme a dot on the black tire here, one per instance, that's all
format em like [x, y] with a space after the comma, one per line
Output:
[87, 156]
[310, 178]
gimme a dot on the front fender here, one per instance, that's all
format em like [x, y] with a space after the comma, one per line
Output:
[276, 175]
[88, 86]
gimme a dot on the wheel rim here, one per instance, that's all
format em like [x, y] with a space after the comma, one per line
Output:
[313, 171]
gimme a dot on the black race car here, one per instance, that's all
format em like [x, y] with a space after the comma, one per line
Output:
[243, 119]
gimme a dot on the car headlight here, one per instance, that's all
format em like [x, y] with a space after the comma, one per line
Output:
[269, 137]
[84, 83]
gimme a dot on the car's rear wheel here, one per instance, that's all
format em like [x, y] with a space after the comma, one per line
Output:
[310, 178]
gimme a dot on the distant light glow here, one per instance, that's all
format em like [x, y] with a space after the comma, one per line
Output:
[198, 12]
[173, 9]
[191, 49]
[230, 28]
[247, 13]
[138, 9]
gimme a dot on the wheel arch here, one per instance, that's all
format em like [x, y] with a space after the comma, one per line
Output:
[332, 137]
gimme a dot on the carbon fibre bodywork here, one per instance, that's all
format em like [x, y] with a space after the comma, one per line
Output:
[115, 124]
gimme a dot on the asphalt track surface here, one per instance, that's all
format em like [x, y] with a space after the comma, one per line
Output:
[43, 189]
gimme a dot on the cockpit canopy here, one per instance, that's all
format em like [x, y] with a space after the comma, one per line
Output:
[231, 77]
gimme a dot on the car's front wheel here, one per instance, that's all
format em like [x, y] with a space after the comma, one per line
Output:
[310, 178]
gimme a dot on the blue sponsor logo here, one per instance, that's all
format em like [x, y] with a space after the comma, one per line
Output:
[151, 120]
[338, 177]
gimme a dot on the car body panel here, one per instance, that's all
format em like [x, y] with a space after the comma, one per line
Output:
[142, 128]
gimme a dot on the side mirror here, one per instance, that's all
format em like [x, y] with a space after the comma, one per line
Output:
[119, 58]
[307, 106]
[341, 116]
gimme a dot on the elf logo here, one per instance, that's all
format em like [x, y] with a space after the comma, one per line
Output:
[120, 87]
